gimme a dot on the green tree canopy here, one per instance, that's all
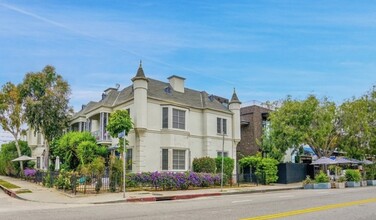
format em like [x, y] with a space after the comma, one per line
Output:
[75, 148]
[358, 122]
[311, 121]
[12, 114]
[8, 152]
[47, 96]
[119, 122]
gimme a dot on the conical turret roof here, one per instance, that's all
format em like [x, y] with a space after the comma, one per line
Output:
[234, 98]
[140, 73]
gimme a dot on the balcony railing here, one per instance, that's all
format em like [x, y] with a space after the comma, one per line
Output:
[104, 137]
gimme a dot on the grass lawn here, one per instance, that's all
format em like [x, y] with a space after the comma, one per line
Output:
[8, 185]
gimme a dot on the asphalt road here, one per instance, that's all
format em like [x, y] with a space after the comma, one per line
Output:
[338, 204]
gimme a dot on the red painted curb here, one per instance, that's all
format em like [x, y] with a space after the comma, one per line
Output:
[197, 195]
[146, 199]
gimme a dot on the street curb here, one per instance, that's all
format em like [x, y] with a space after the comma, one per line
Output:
[159, 198]
[10, 192]
[261, 191]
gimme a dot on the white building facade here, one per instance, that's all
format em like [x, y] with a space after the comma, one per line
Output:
[172, 124]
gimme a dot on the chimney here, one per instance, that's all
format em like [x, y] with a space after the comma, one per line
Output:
[177, 83]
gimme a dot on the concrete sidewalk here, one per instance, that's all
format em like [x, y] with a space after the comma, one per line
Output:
[51, 195]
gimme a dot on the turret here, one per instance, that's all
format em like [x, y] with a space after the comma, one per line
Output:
[140, 89]
[234, 107]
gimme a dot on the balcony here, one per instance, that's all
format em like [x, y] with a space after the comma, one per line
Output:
[101, 137]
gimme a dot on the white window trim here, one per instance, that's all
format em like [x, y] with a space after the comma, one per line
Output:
[227, 127]
[171, 117]
[170, 159]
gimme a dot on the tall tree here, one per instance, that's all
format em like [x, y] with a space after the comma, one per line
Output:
[47, 110]
[12, 114]
[356, 127]
[310, 122]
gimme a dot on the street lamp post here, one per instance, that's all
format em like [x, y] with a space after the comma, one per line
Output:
[223, 150]
[124, 164]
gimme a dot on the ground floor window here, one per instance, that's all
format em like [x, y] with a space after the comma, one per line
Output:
[219, 154]
[178, 159]
[174, 159]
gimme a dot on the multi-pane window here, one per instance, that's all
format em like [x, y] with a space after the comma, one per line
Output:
[164, 159]
[178, 119]
[178, 159]
[221, 126]
[164, 117]
[219, 154]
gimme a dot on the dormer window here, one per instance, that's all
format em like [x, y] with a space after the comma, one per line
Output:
[167, 90]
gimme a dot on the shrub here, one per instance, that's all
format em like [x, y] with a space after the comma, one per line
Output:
[353, 175]
[265, 169]
[307, 180]
[322, 178]
[228, 167]
[48, 180]
[116, 173]
[63, 180]
[370, 172]
[204, 165]
[268, 170]
[98, 185]
[341, 179]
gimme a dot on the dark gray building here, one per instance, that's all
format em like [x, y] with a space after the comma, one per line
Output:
[253, 119]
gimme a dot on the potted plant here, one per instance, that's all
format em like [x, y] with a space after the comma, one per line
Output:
[308, 183]
[322, 181]
[353, 178]
[340, 183]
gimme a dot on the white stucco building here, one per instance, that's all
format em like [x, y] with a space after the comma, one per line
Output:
[172, 124]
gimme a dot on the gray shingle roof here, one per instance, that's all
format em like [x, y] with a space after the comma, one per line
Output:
[157, 90]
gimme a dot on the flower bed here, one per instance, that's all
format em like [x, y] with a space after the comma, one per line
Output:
[171, 180]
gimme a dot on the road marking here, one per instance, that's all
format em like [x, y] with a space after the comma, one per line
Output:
[286, 196]
[240, 201]
[314, 209]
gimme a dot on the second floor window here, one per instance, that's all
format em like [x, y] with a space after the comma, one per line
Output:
[221, 126]
[164, 117]
[178, 119]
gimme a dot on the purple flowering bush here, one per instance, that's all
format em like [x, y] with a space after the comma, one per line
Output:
[172, 180]
[29, 172]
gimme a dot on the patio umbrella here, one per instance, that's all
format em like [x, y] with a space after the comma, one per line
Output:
[341, 160]
[366, 162]
[355, 161]
[324, 161]
[23, 158]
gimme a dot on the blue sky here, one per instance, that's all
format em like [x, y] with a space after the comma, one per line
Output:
[265, 49]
